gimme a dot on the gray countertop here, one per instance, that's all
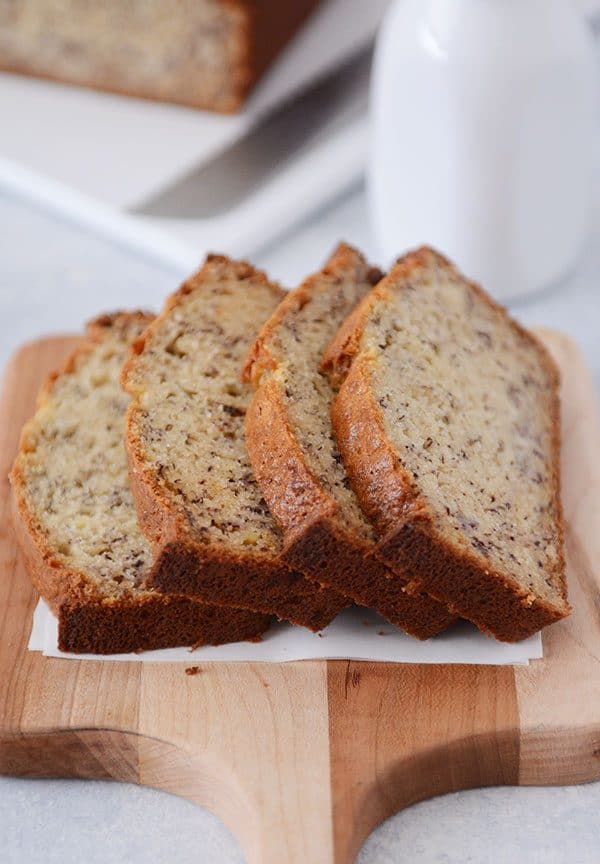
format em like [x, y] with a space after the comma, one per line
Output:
[53, 276]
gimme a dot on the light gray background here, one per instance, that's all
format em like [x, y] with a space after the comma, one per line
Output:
[53, 276]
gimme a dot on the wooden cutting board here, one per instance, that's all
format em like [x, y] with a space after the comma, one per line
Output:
[303, 760]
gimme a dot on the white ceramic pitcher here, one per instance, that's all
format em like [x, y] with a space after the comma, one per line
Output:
[482, 136]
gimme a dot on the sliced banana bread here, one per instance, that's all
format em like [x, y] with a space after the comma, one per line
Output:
[76, 520]
[198, 501]
[448, 423]
[201, 53]
[295, 458]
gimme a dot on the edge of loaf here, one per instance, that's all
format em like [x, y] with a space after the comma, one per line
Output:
[464, 578]
[90, 622]
[195, 53]
[283, 366]
[201, 337]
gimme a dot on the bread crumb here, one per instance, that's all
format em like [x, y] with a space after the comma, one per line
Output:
[192, 670]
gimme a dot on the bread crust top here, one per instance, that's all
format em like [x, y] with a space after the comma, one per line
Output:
[344, 261]
[346, 344]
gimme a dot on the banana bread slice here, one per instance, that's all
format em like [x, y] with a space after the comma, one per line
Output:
[201, 53]
[295, 458]
[76, 521]
[198, 502]
[448, 423]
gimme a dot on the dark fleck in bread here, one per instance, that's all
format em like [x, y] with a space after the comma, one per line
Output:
[75, 515]
[202, 53]
[295, 458]
[197, 498]
[448, 423]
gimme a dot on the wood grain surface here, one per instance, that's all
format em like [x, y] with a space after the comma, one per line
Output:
[303, 760]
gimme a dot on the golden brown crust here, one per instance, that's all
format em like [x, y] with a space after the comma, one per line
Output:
[215, 265]
[56, 584]
[265, 27]
[345, 345]
[494, 601]
[315, 539]
[242, 581]
[217, 575]
[345, 260]
[315, 543]
[340, 352]
[293, 493]
[89, 622]
[95, 331]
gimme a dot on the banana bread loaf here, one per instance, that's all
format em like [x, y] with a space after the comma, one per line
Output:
[295, 458]
[198, 502]
[76, 520]
[448, 423]
[201, 53]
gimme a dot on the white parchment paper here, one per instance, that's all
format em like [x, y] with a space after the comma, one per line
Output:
[356, 634]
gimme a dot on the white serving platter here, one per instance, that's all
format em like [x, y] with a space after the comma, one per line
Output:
[97, 156]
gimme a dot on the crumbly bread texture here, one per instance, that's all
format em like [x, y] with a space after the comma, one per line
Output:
[76, 519]
[197, 498]
[202, 53]
[448, 423]
[295, 458]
